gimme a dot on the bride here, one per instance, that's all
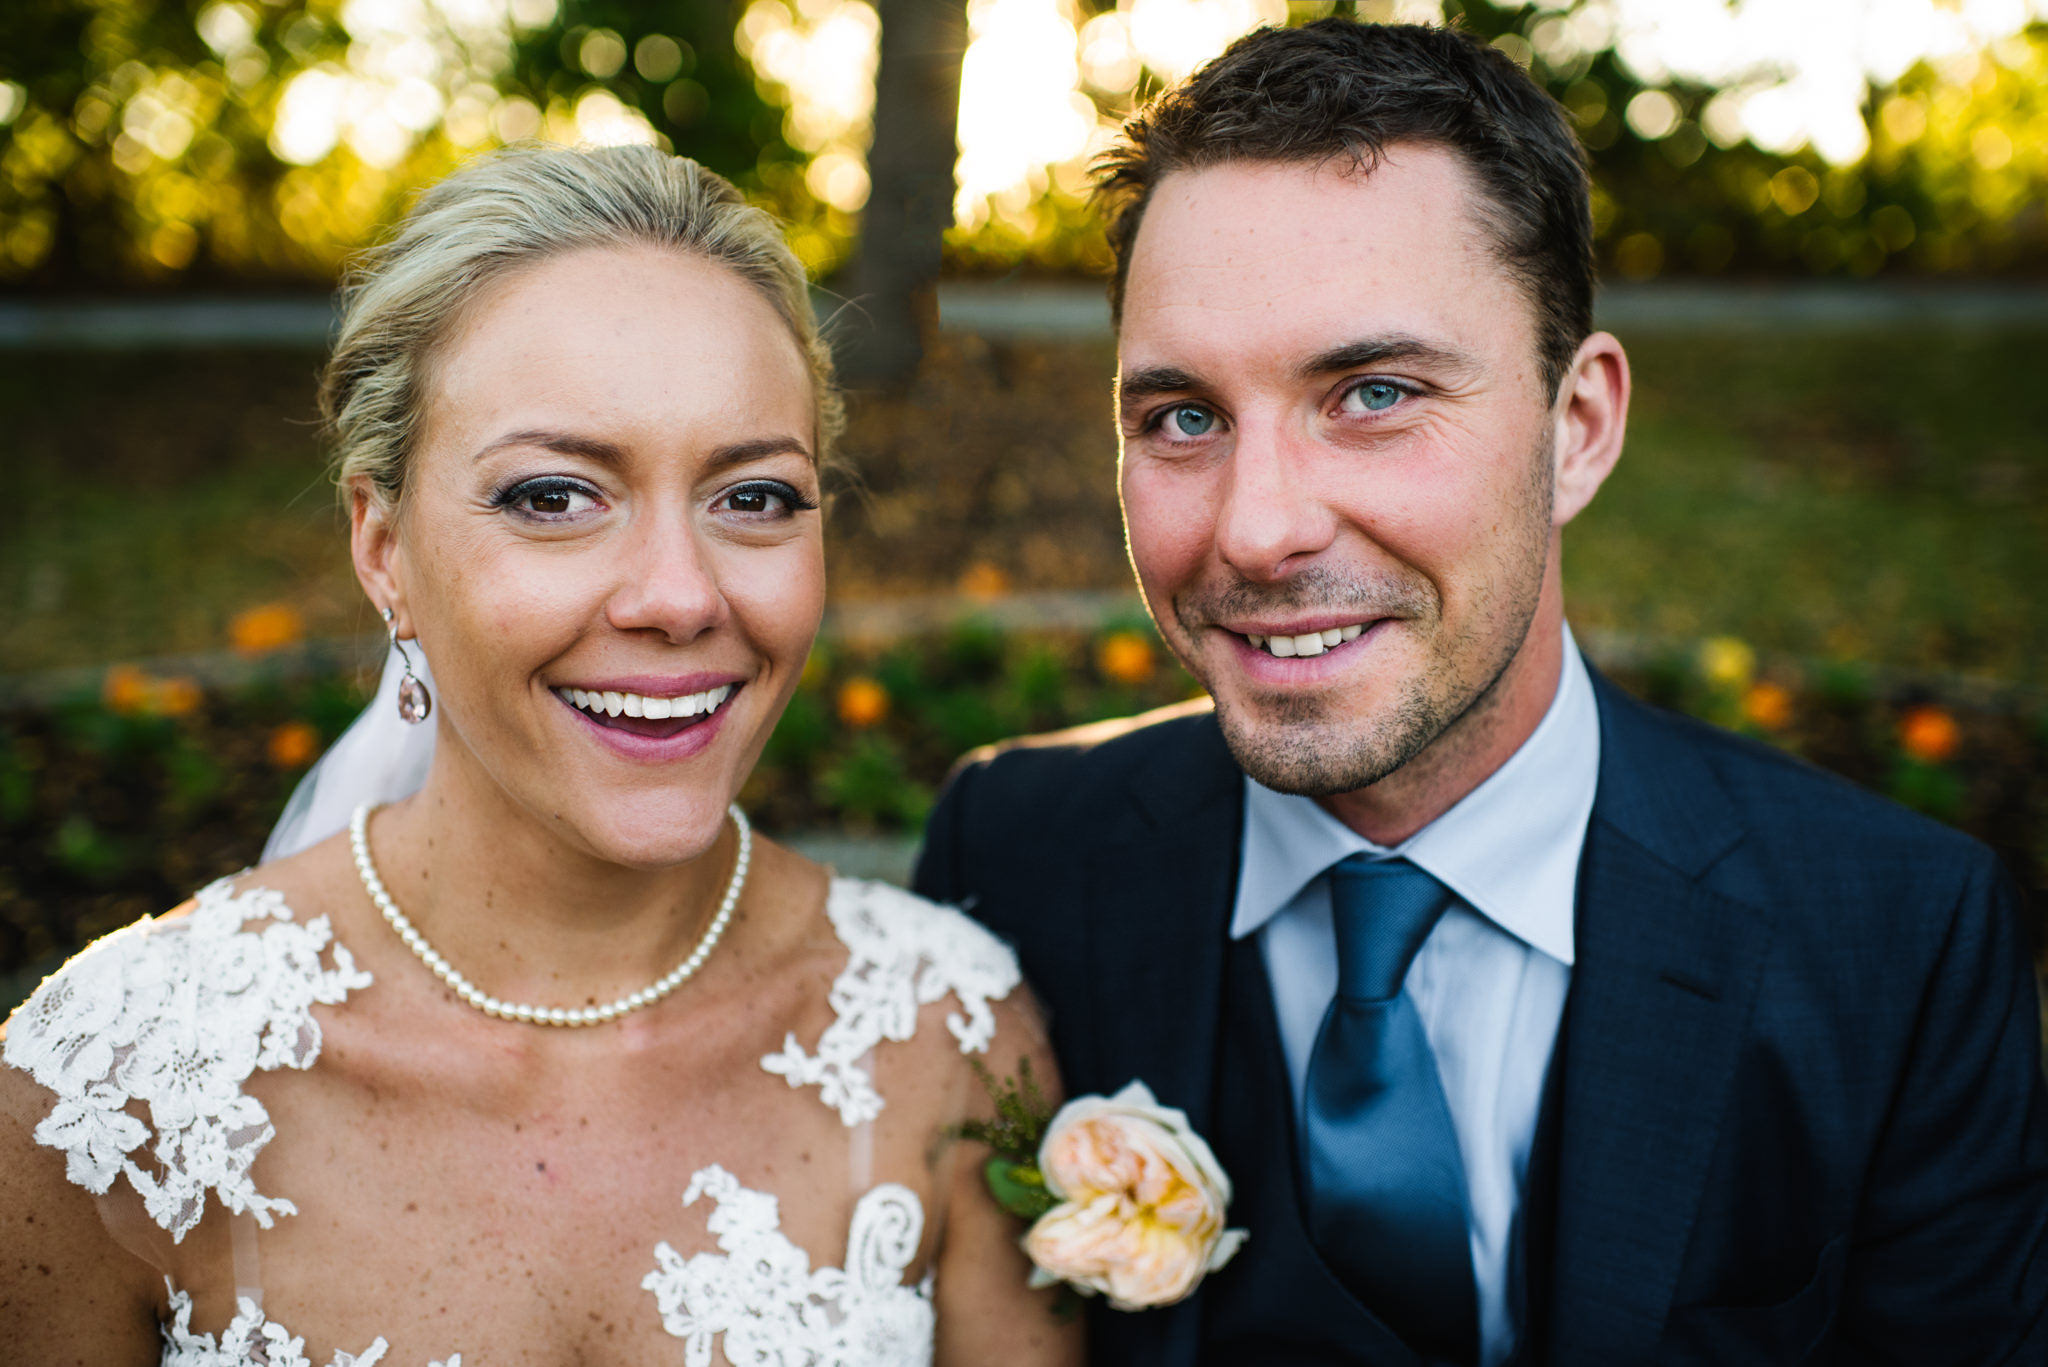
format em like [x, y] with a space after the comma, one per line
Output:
[554, 1061]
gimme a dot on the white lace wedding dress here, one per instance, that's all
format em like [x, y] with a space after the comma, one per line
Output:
[169, 1020]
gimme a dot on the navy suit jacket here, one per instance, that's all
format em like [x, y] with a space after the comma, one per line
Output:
[1799, 1114]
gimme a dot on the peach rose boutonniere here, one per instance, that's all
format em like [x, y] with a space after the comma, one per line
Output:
[1126, 1200]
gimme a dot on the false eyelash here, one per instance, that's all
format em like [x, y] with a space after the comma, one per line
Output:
[513, 492]
[787, 493]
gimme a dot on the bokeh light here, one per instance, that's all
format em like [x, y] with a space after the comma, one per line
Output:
[277, 136]
[819, 60]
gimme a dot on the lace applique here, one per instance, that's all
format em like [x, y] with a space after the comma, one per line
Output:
[251, 1341]
[902, 953]
[762, 1295]
[177, 1016]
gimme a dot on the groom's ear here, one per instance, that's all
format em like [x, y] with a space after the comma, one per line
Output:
[374, 546]
[1589, 417]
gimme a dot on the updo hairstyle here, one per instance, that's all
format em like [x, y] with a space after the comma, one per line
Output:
[508, 210]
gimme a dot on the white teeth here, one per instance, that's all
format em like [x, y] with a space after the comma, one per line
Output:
[1309, 643]
[639, 705]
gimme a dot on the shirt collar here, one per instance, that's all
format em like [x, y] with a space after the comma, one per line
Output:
[1509, 848]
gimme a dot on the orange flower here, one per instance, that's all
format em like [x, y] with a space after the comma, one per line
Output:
[862, 701]
[270, 627]
[1768, 705]
[293, 745]
[1929, 734]
[128, 691]
[984, 581]
[131, 692]
[177, 697]
[1125, 657]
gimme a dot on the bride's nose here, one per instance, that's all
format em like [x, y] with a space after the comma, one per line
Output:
[667, 582]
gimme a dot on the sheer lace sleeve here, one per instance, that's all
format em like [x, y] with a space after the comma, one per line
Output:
[902, 953]
[169, 1020]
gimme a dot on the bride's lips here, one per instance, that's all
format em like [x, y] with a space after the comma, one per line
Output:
[657, 718]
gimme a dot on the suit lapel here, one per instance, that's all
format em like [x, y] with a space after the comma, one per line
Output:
[1667, 970]
[1161, 891]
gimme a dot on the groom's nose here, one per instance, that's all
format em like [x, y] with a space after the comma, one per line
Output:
[1270, 520]
[667, 582]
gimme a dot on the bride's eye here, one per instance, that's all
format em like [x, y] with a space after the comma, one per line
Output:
[765, 499]
[547, 500]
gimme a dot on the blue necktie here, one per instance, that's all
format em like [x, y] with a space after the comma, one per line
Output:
[1385, 1185]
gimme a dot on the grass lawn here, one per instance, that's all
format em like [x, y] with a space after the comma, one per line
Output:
[1877, 496]
[1874, 497]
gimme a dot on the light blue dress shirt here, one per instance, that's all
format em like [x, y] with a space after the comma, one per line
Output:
[1489, 982]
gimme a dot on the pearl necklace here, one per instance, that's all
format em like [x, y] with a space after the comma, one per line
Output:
[358, 832]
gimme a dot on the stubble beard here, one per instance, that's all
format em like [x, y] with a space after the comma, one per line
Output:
[1302, 743]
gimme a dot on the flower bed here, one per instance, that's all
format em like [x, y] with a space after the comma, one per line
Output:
[118, 804]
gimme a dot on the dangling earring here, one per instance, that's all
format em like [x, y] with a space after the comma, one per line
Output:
[413, 701]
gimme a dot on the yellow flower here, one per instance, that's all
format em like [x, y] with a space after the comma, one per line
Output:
[1727, 662]
[1125, 657]
[272, 626]
[1768, 705]
[293, 745]
[1142, 1201]
[862, 701]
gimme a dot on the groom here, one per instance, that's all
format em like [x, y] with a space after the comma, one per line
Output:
[1531, 1024]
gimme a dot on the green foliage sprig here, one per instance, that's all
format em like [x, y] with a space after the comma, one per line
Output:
[1022, 1114]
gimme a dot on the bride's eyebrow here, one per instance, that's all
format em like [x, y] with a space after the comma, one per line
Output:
[613, 455]
[740, 452]
[563, 443]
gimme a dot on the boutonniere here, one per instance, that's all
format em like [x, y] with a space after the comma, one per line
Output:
[1125, 1200]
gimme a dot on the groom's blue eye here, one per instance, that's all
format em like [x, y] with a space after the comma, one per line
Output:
[1190, 421]
[1374, 396]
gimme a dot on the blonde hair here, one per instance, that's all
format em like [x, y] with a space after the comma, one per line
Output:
[508, 210]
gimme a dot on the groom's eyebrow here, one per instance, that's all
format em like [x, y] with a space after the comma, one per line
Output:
[1153, 381]
[1396, 349]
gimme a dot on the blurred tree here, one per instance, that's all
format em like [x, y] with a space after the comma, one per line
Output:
[216, 142]
[146, 141]
[910, 206]
[1943, 167]
[1955, 177]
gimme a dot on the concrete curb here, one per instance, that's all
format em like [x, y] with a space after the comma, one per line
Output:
[1077, 310]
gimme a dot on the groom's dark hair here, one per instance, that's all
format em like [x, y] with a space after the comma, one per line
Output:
[1339, 90]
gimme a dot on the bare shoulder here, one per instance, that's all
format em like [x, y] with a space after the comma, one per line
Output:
[318, 881]
[68, 1291]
